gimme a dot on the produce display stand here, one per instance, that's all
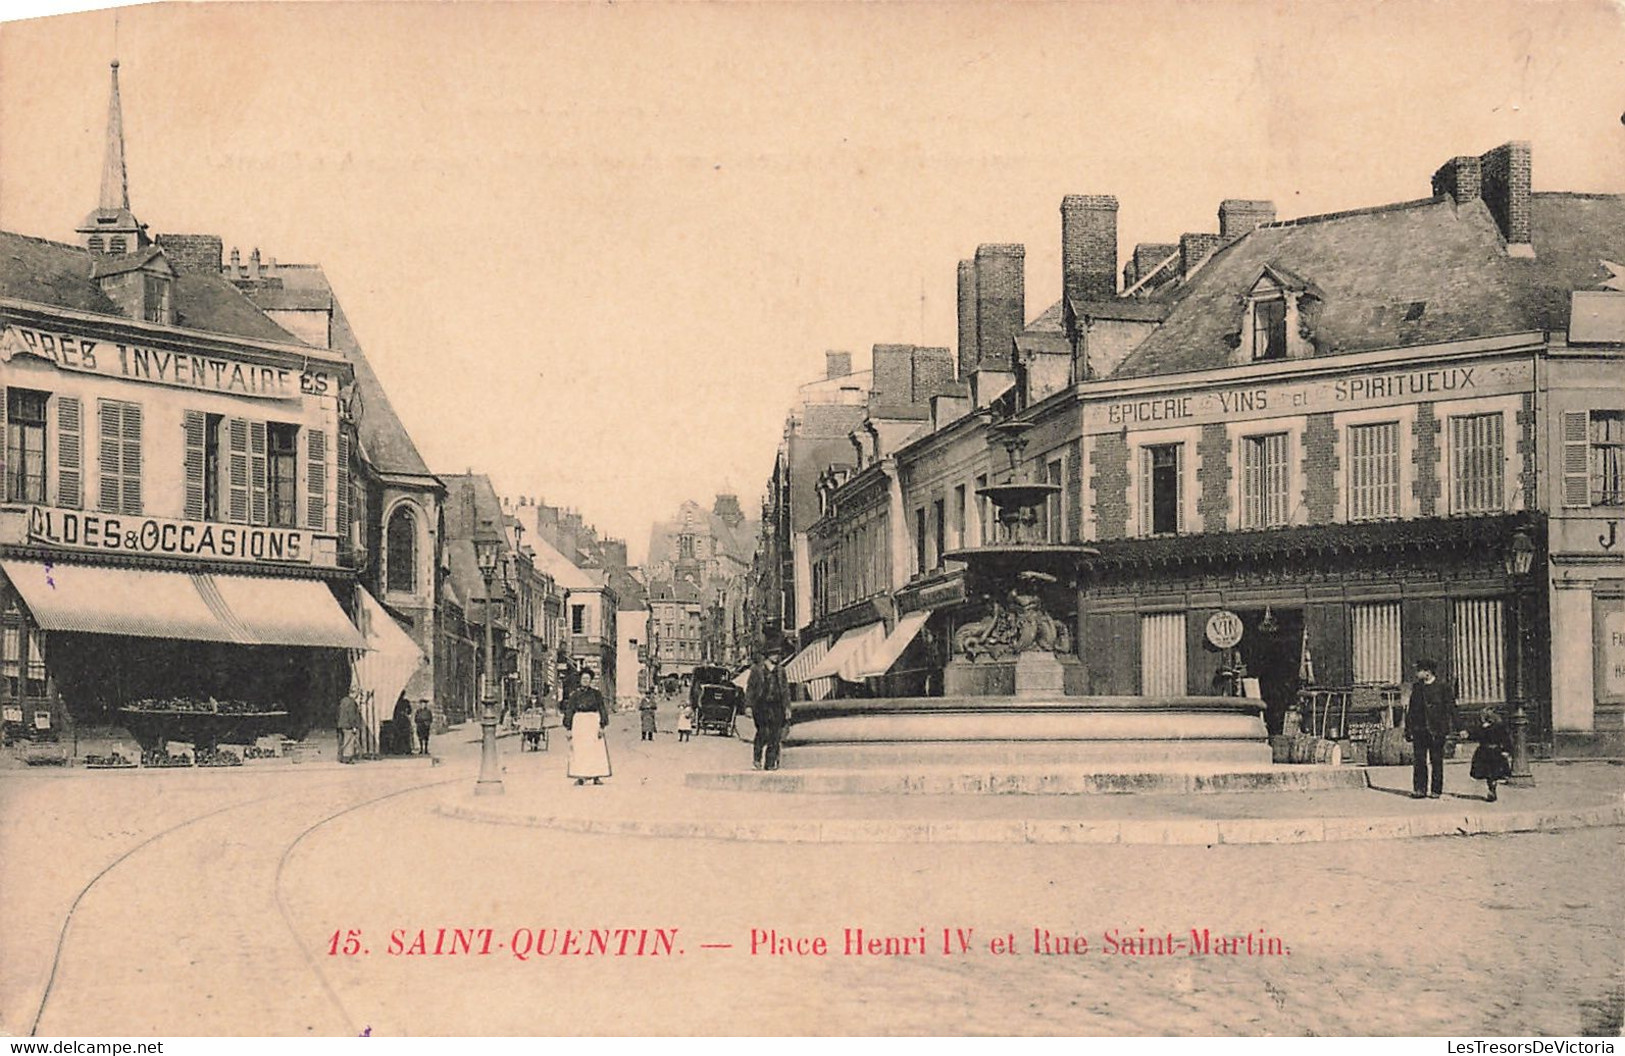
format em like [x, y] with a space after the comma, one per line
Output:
[204, 730]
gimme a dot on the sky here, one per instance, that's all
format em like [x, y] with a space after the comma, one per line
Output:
[592, 249]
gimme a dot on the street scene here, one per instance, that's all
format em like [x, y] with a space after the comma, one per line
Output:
[665, 530]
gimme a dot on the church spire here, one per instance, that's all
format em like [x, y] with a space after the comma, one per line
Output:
[111, 227]
[115, 180]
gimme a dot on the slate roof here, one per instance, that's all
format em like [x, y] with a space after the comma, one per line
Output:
[1372, 268]
[59, 275]
[565, 575]
[387, 445]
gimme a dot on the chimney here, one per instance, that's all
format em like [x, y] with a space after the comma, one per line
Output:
[236, 262]
[1506, 188]
[1460, 179]
[1237, 216]
[1001, 302]
[254, 263]
[967, 318]
[1089, 246]
[892, 382]
[193, 253]
[1195, 248]
[837, 365]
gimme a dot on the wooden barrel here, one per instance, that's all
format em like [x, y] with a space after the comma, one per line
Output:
[1303, 748]
[1389, 748]
[1281, 748]
[1328, 753]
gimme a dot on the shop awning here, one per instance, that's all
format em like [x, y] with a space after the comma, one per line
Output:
[878, 660]
[846, 656]
[796, 670]
[243, 610]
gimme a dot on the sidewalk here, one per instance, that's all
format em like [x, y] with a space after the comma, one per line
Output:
[647, 796]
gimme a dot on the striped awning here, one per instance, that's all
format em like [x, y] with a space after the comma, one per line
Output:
[798, 669]
[846, 657]
[879, 659]
[242, 610]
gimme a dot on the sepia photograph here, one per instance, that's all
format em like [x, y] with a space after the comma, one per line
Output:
[813, 519]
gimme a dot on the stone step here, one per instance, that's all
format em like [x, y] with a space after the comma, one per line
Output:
[1180, 780]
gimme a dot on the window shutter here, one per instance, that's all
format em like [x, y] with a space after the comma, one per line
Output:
[1146, 519]
[1576, 459]
[70, 455]
[258, 467]
[316, 478]
[237, 469]
[1179, 489]
[193, 426]
[342, 504]
[109, 426]
[5, 442]
[131, 433]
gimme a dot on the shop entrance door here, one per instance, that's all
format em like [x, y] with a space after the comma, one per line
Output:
[1270, 649]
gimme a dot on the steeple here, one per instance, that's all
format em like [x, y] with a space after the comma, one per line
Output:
[111, 227]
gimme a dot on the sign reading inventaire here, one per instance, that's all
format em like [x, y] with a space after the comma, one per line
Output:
[109, 533]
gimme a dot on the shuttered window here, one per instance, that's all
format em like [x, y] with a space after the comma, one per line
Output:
[1477, 463]
[259, 504]
[1264, 487]
[70, 452]
[1162, 654]
[1478, 651]
[1375, 638]
[195, 434]
[1607, 461]
[119, 433]
[25, 445]
[342, 468]
[237, 470]
[1161, 489]
[1373, 471]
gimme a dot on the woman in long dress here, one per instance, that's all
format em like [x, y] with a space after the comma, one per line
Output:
[585, 716]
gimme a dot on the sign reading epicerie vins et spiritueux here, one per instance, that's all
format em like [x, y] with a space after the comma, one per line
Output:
[159, 366]
[159, 537]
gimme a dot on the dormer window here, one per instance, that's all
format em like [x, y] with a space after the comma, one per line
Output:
[1269, 328]
[155, 298]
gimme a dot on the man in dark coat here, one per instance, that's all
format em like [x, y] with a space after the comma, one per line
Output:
[767, 694]
[1428, 723]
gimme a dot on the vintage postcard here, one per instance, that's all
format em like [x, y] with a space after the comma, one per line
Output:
[796, 519]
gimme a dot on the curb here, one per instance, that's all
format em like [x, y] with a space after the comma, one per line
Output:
[1151, 831]
[1030, 782]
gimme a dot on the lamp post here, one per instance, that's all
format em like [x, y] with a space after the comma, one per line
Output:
[1519, 557]
[490, 781]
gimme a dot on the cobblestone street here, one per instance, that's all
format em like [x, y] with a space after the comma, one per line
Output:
[1485, 935]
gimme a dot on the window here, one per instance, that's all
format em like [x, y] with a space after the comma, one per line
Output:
[940, 509]
[400, 557]
[1477, 463]
[578, 619]
[919, 541]
[1162, 654]
[1269, 329]
[961, 513]
[282, 473]
[117, 244]
[120, 434]
[1160, 489]
[25, 445]
[1373, 471]
[1594, 458]
[984, 512]
[212, 510]
[1264, 481]
[1478, 651]
[1375, 637]
[155, 303]
[1055, 504]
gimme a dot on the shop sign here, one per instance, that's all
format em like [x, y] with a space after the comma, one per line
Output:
[1224, 629]
[937, 595]
[1611, 649]
[1273, 400]
[159, 537]
[160, 366]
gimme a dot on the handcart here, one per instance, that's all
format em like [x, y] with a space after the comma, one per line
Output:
[718, 709]
[533, 730]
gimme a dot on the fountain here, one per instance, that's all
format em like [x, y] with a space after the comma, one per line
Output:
[1014, 690]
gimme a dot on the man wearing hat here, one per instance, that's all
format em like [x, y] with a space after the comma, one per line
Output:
[768, 695]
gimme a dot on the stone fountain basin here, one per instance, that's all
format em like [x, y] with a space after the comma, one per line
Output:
[1117, 731]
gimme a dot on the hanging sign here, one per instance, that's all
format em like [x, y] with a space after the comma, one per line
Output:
[1224, 629]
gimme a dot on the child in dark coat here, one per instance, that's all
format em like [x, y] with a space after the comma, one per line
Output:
[1491, 761]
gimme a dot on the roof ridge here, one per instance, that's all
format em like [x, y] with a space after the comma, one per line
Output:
[1588, 195]
[46, 241]
[1371, 210]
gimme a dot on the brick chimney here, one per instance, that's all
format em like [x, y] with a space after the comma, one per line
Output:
[1507, 192]
[1237, 216]
[892, 381]
[1459, 178]
[1195, 248]
[1001, 301]
[1089, 246]
[193, 253]
[1147, 255]
[967, 318]
[837, 365]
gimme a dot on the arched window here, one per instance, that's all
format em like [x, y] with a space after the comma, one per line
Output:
[401, 557]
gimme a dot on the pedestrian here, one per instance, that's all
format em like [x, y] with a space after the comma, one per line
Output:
[768, 696]
[349, 724]
[1428, 723]
[400, 728]
[646, 713]
[423, 719]
[685, 721]
[585, 716]
[1491, 759]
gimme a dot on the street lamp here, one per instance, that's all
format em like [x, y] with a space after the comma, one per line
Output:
[1519, 558]
[490, 781]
